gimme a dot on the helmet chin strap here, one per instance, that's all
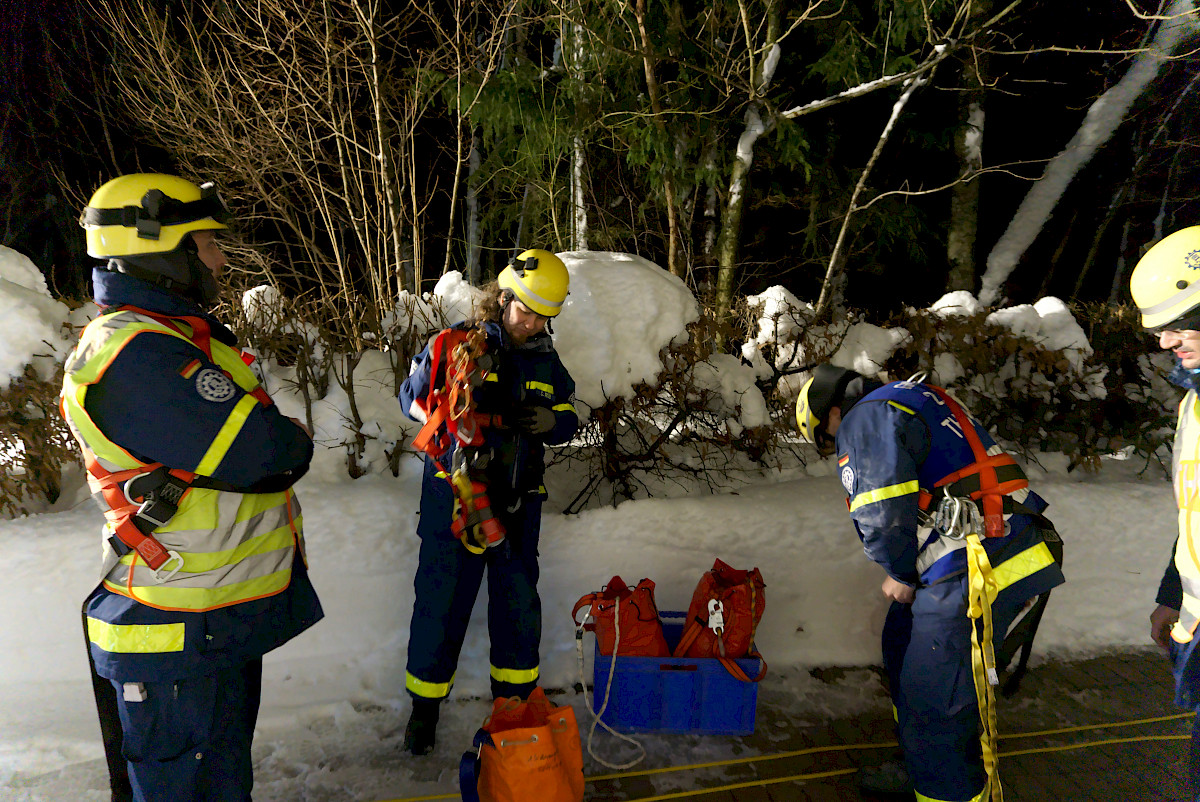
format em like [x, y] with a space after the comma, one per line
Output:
[165, 270]
[204, 287]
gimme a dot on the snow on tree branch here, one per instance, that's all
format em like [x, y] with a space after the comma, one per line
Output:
[1101, 121]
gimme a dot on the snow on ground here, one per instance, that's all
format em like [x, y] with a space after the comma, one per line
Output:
[334, 705]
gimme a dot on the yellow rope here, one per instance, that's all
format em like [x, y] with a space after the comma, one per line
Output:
[877, 745]
[981, 591]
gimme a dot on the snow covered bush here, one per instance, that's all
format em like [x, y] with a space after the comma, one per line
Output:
[1034, 377]
[35, 444]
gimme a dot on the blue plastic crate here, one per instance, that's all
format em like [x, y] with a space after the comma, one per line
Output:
[674, 694]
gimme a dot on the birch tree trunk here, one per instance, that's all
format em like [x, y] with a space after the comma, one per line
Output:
[579, 220]
[968, 149]
[1098, 125]
[731, 222]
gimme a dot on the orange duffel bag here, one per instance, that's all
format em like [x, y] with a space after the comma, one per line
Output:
[723, 616]
[640, 633]
[525, 750]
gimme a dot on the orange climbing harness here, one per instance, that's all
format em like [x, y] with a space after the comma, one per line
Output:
[988, 480]
[458, 365]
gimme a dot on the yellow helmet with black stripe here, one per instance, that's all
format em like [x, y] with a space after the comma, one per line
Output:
[538, 279]
[1166, 282]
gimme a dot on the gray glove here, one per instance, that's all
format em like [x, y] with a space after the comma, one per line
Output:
[533, 420]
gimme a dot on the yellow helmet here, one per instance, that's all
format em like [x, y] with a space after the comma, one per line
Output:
[539, 279]
[819, 394]
[146, 213]
[1166, 281]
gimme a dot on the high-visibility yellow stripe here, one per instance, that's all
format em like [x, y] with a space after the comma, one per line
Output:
[175, 598]
[901, 407]
[135, 638]
[492, 377]
[224, 439]
[123, 328]
[515, 676]
[427, 690]
[102, 447]
[255, 504]
[979, 797]
[564, 408]
[884, 493]
[198, 562]
[548, 389]
[1022, 565]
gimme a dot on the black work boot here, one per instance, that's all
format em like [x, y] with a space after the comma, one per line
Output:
[888, 779]
[420, 735]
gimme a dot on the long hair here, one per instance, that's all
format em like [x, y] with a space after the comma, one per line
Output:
[488, 308]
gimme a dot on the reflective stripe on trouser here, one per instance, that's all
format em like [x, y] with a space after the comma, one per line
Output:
[447, 583]
[979, 797]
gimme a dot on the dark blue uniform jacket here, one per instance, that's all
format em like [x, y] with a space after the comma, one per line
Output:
[901, 438]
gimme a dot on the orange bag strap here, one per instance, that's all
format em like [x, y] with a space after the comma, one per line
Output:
[690, 633]
[733, 668]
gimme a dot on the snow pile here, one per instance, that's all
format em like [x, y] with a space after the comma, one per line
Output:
[621, 312]
[32, 323]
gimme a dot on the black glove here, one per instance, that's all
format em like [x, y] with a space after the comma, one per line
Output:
[533, 420]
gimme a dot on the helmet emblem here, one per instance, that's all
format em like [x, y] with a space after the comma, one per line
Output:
[1192, 260]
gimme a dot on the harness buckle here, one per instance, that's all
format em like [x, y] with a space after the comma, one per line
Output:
[170, 568]
[156, 512]
[160, 494]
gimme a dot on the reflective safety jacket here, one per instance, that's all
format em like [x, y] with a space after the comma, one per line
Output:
[241, 588]
[1186, 473]
[527, 375]
[895, 445]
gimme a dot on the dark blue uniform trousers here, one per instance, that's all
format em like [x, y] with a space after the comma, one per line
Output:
[189, 740]
[447, 582]
[1186, 662]
[927, 655]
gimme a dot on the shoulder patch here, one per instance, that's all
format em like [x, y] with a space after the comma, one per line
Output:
[846, 473]
[215, 386]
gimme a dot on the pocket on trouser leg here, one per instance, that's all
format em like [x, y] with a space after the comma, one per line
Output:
[165, 737]
[189, 741]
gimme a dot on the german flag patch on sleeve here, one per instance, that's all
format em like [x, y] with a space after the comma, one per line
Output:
[188, 370]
